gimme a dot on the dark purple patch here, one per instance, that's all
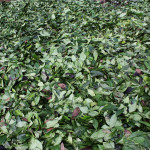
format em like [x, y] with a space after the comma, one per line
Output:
[10, 78]
[2, 148]
[128, 90]
[136, 74]
[70, 75]
[44, 73]
[140, 80]
[24, 78]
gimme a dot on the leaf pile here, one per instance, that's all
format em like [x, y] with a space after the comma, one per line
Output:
[74, 75]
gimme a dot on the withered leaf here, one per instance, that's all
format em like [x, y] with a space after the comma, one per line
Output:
[137, 72]
[87, 148]
[49, 129]
[62, 85]
[8, 99]
[24, 119]
[62, 146]
[48, 98]
[75, 112]
[127, 133]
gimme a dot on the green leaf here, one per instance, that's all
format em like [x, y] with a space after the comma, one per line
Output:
[95, 124]
[113, 121]
[95, 54]
[40, 84]
[109, 145]
[132, 107]
[93, 113]
[139, 140]
[53, 123]
[145, 123]
[82, 56]
[122, 15]
[96, 73]
[35, 144]
[44, 33]
[53, 16]
[84, 109]
[21, 124]
[91, 92]
[3, 138]
[97, 135]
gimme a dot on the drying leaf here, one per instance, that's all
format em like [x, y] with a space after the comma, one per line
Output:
[2, 68]
[62, 146]
[24, 89]
[144, 103]
[47, 120]
[62, 85]
[75, 112]
[49, 98]
[24, 119]
[138, 71]
[127, 133]
[8, 99]
[106, 131]
[49, 129]
[90, 67]
[87, 148]
[145, 86]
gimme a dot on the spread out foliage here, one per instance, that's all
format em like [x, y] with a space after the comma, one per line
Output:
[74, 75]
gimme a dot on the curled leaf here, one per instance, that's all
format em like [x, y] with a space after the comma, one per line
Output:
[75, 112]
